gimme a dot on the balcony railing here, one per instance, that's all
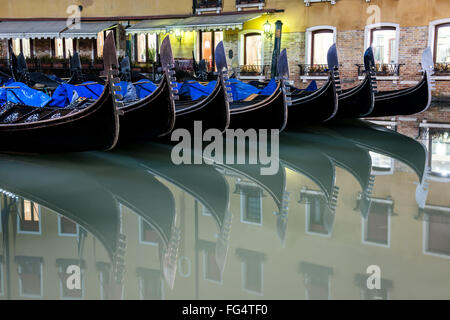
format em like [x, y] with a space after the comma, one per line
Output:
[313, 69]
[254, 70]
[207, 5]
[249, 3]
[442, 69]
[382, 70]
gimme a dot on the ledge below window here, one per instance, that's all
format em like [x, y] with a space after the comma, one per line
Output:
[305, 78]
[201, 10]
[240, 7]
[383, 78]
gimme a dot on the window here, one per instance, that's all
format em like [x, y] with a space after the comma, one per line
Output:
[22, 45]
[322, 40]
[317, 281]
[63, 48]
[318, 40]
[373, 294]
[442, 43]
[252, 270]
[29, 218]
[383, 41]
[437, 230]
[67, 227]
[208, 43]
[253, 49]
[205, 211]
[150, 284]
[319, 219]
[30, 276]
[101, 36]
[381, 164]
[376, 228]
[141, 54]
[211, 270]
[148, 235]
[439, 151]
[65, 291]
[251, 205]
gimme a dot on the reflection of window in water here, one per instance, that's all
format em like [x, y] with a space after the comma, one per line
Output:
[251, 270]
[251, 203]
[439, 147]
[376, 228]
[150, 284]
[67, 227]
[319, 218]
[211, 270]
[30, 276]
[147, 233]
[70, 293]
[381, 163]
[373, 294]
[28, 221]
[317, 281]
[436, 230]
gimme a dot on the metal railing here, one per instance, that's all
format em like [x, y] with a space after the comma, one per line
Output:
[442, 69]
[313, 69]
[253, 70]
[241, 2]
[382, 70]
[203, 4]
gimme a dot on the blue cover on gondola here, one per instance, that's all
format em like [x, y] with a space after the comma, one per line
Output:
[64, 93]
[194, 90]
[144, 88]
[312, 86]
[242, 90]
[269, 89]
[18, 92]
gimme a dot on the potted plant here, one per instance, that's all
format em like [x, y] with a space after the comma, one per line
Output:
[58, 63]
[98, 63]
[46, 61]
[31, 63]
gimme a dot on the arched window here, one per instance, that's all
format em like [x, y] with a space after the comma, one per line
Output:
[318, 40]
[253, 49]
[442, 43]
[384, 39]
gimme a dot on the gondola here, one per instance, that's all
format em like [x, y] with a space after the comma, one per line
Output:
[318, 106]
[407, 101]
[389, 143]
[213, 111]
[29, 129]
[263, 112]
[355, 102]
[154, 115]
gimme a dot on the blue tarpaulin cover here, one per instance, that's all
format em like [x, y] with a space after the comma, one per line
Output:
[269, 89]
[194, 90]
[144, 88]
[64, 93]
[18, 92]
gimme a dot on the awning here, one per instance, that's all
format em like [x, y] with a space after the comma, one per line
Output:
[87, 30]
[204, 23]
[31, 29]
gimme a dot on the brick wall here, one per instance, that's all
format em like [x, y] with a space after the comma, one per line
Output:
[3, 48]
[42, 47]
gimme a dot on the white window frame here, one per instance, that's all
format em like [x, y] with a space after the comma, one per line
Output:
[243, 197]
[367, 43]
[243, 273]
[241, 51]
[206, 212]
[391, 170]
[425, 227]
[204, 271]
[102, 289]
[308, 45]
[427, 126]
[42, 284]
[62, 297]
[259, 5]
[364, 226]
[431, 40]
[19, 231]
[149, 243]
[62, 234]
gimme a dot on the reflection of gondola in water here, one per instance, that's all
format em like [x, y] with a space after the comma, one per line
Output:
[389, 143]
[92, 200]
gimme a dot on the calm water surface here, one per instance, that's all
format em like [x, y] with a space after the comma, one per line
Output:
[344, 198]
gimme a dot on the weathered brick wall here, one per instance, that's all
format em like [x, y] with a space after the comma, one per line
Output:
[294, 42]
[3, 48]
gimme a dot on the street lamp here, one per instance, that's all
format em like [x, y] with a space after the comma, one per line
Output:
[268, 30]
[178, 35]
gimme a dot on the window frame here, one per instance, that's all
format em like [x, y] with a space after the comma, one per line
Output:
[308, 194]
[244, 266]
[243, 208]
[141, 225]
[141, 282]
[310, 32]
[41, 274]
[425, 233]
[432, 40]
[205, 261]
[19, 230]
[62, 234]
[427, 142]
[389, 204]
[83, 289]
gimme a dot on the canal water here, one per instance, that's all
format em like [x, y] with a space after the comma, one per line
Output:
[350, 211]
